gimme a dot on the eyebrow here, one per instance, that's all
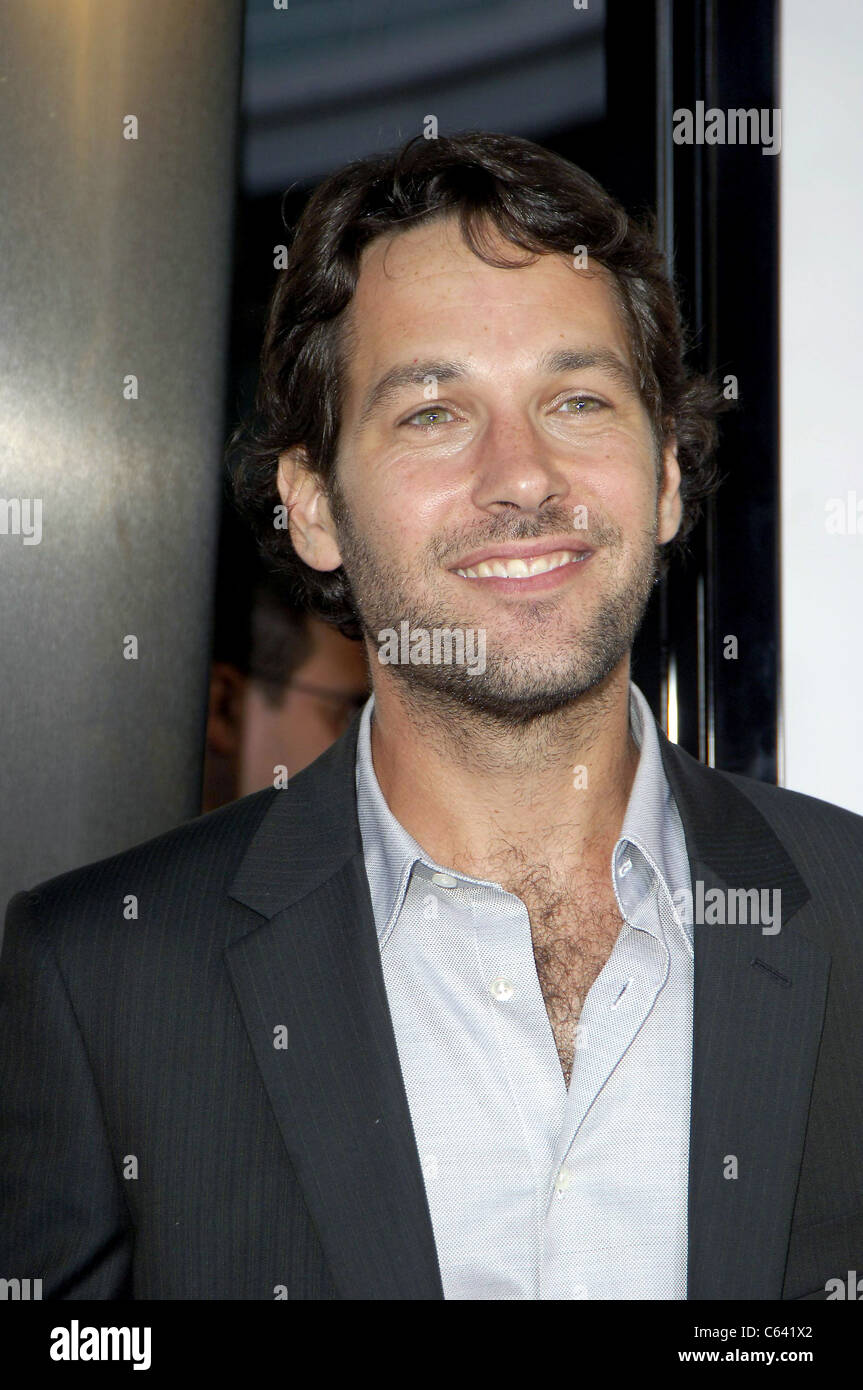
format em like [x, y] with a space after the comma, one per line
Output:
[552, 363]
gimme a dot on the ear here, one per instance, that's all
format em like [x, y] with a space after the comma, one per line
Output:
[669, 507]
[225, 709]
[312, 529]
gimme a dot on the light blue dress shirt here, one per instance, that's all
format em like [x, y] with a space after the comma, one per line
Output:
[536, 1191]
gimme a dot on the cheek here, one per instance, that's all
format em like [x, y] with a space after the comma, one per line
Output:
[399, 509]
[622, 481]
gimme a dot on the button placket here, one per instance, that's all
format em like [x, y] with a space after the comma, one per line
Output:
[505, 959]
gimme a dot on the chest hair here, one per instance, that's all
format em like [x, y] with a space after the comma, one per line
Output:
[573, 926]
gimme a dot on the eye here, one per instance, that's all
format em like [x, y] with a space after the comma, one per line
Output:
[429, 410]
[586, 405]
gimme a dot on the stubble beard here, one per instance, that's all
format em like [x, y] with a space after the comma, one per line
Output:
[519, 684]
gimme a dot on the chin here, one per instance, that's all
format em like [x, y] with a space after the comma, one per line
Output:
[501, 696]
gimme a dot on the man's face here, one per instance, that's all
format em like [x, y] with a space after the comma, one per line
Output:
[494, 413]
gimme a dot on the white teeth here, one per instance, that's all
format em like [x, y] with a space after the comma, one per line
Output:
[540, 564]
[521, 569]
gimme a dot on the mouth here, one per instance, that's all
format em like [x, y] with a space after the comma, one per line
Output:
[524, 573]
[522, 567]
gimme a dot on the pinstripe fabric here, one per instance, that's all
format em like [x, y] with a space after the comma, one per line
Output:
[535, 1192]
[131, 1058]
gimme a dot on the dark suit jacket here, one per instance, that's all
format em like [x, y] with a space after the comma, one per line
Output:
[156, 1143]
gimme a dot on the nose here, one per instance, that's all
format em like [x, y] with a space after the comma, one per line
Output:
[515, 467]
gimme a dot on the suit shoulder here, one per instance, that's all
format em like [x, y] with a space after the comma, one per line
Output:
[204, 851]
[798, 815]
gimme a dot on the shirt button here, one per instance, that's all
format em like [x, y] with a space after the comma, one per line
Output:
[562, 1181]
[624, 868]
[444, 880]
[501, 988]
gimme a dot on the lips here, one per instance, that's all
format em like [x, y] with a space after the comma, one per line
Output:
[521, 551]
[518, 567]
[522, 561]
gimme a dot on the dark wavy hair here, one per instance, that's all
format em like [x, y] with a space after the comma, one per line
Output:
[540, 203]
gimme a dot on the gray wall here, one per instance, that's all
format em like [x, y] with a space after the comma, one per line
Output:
[114, 260]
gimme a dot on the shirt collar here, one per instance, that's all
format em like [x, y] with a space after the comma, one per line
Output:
[651, 840]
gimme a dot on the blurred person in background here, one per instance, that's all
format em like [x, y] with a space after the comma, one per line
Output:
[284, 685]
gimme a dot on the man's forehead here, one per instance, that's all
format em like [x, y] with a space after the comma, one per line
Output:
[435, 243]
[398, 268]
[437, 246]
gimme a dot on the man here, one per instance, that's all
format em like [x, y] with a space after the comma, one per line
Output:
[455, 1015]
[284, 685]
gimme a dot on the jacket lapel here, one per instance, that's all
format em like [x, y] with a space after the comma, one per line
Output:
[758, 1013]
[312, 967]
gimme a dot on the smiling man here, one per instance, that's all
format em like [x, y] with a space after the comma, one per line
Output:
[438, 1020]
[460, 513]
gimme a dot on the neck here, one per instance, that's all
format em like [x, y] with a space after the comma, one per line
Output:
[477, 793]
